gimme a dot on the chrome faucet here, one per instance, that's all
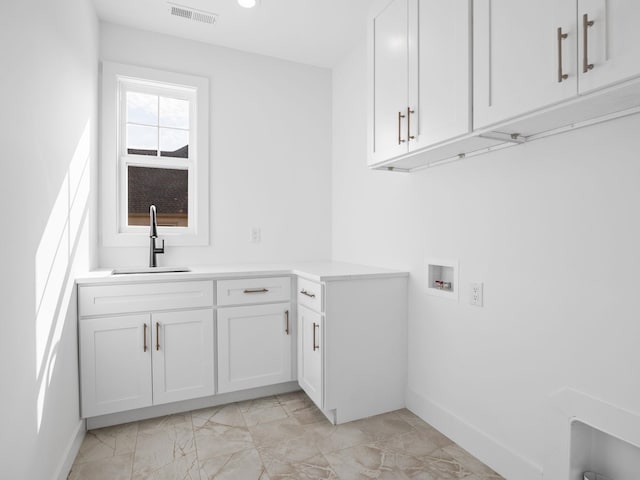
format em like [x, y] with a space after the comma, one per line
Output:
[153, 234]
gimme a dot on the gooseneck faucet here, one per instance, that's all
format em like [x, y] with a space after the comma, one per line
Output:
[153, 234]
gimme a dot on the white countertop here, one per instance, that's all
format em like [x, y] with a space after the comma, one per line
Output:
[318, 271]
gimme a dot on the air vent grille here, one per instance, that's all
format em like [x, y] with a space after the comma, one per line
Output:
[192, 14]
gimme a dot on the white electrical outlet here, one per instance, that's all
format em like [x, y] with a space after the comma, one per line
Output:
[255, 235]
[476, 294]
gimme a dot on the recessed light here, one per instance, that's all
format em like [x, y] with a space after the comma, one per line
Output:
[247, 3]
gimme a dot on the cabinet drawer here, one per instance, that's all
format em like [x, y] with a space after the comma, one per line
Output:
[143, 297]
[254, 290]
[310, 294]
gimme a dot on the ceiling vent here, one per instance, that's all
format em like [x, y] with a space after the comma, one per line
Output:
[192, 14]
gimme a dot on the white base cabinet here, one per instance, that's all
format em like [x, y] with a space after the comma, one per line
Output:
[254, 346]
[135, 361]
[310, 354]
[182, 355]
[115, 361]
[352, 345]
[151, 347]
[132, 360]
[255, 331]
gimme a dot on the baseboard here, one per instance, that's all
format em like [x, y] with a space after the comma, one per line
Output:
[71, 452]
[502, 459]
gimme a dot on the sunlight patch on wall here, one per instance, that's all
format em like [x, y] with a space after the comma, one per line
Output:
[52, 259]
[59, 252]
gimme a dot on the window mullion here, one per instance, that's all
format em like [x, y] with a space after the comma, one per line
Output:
[159, 162]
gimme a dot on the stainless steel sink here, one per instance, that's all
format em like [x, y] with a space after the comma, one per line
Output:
[132, 270]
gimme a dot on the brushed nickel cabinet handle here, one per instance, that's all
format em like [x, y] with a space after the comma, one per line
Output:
[144, 338]
[286, 318]
[409, 113]
[256, 290]
[561, 36]
[315, 347]
[310, 295]
[157, 336]
[586, 24]
[400, 117]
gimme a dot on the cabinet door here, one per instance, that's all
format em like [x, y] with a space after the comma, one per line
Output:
[254, 346]
[390, 82]
[613, 42]
[183, 357]
[310, 348]
[517, 55]
[115, 364]
[439, 71]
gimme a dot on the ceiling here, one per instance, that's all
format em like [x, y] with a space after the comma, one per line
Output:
[315, 32]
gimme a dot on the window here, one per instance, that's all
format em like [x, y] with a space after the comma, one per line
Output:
[155, 152]
[155, 127]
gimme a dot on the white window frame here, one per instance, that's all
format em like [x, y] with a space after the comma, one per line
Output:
[116, 80]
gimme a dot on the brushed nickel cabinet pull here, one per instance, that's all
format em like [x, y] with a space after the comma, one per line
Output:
[315, 347]
[286, 318]
[586, 23]
[409, 112]
[561, 36]
[310, 295]
[400, 117]
[144, 337]
[256, 290]
[157, 336]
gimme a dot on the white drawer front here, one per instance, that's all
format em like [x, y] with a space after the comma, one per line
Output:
[310, 294]
[254, 290]
[143, 297]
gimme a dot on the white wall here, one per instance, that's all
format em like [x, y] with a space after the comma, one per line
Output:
[552, 228]
[48, 94]
[270, 150]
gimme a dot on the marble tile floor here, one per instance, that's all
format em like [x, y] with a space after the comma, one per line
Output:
[274, 438]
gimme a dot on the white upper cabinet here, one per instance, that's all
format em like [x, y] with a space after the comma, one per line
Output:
[531, 55]
[390, 81]
[609, 30]
[524, 57]
[531, 69]
[419, 76]
[439, 71]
